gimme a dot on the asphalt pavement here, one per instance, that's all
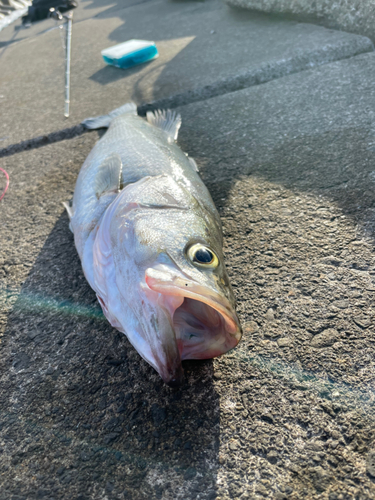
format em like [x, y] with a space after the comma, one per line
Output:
[279, 116]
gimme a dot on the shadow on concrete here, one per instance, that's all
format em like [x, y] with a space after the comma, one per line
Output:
[81, 411]
[114, 7]
[337, 165]
[197, 41]
[43, 140]
[185, 38]
[128, 30]
[6, 44]
[110, 74]
[84, 412]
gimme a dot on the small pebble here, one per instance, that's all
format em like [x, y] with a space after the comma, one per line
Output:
[362, 321]
[284, 342]
[233, 445]
[341, 304]
[250, 327]
[270, 315]
[325, 339]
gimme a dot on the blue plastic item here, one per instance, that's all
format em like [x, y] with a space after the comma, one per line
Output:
[130, 53]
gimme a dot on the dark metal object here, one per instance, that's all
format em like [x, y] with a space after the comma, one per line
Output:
[40, 9]
[55, 14]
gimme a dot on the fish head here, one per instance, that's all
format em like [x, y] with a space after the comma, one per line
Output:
[170, 290]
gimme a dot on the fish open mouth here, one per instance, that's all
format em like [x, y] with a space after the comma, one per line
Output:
[201, 331]
[204, 322]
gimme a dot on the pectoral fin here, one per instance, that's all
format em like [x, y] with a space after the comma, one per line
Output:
[193, 164]
[68, 207]
[108, 179]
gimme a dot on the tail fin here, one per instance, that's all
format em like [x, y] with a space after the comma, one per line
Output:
[104, 121]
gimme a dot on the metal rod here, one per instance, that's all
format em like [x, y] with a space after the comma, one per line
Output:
[69, 18]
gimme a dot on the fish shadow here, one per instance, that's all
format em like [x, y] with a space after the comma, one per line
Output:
[87, 412]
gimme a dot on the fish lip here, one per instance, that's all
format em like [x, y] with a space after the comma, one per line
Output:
[168, 284]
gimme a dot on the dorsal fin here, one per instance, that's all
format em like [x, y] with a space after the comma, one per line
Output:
[108, 178]
[104, 121]
[167, 120]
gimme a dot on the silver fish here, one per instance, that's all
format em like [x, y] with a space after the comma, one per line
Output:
[150, 241]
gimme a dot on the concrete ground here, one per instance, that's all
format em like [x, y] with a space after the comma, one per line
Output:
[356, 16]
[289, 160]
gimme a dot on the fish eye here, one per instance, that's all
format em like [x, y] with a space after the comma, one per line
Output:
[202, 256]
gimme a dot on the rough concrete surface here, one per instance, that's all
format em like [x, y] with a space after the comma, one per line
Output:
[356, 16]
[289, 414]
[205, 49]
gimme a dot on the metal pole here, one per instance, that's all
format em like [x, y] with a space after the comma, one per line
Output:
[69, 18]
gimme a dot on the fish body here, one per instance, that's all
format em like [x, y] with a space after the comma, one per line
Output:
[150, 241]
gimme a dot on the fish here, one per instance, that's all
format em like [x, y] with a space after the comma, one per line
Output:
[150, 242]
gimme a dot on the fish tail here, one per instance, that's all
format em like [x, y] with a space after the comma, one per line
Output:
[104, 121]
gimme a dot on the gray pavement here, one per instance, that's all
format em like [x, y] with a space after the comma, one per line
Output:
[356, 16]
[205, 48]
[289, 414]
